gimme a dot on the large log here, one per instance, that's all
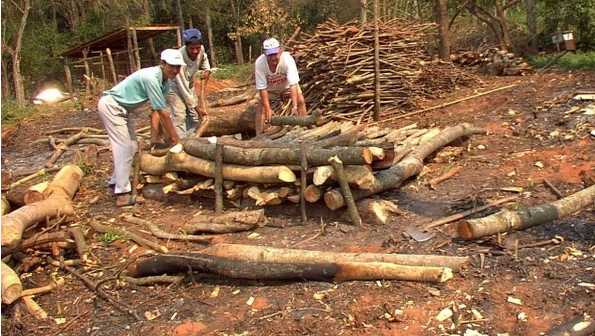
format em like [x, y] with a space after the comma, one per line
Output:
[507, 220]
[283, 156]
[281, 255]
[58, 194]
[181, 161]
[11, 285]
[319, 271]
[230, 121]
[411, 165]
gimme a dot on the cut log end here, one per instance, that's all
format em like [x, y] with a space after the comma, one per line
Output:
[465, 230]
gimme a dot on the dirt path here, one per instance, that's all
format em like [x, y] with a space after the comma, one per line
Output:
[535, 134]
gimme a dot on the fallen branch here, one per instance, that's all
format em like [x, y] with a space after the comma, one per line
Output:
[157, 232]
[34, 309]
[507, 220]
[44, 289]
[129, 235]
[469, 212]
[582, 325]
[449, 174]
[12, 287]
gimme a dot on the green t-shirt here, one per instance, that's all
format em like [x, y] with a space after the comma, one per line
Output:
[142, 85]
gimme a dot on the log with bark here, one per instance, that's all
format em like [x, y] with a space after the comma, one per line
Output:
[336, 271]
[58, 201]
[11, 285]
[411, 165]
[507, 220]
[181, 161]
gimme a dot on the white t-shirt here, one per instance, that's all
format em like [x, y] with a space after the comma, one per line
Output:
[285, 75]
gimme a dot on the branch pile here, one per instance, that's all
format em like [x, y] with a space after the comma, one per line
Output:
[337, 68]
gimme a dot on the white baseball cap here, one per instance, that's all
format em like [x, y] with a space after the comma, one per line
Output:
[271, 46]
[172, 57]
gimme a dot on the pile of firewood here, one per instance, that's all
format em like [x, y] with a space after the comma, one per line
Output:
[492, 61]
[295, 163]
[336, 67]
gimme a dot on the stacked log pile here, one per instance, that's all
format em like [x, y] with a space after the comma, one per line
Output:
[269, 171]
[492, 61]
[336, 67]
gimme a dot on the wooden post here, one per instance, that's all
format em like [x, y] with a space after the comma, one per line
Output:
[338, 165]
[87, 71]
[376, 63]
[68, 78]
[219, 178]
[108, 51]
[102, 62]
[304, 171]
[129, 51]
[135, 49]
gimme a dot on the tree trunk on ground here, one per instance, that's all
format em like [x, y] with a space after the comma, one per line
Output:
[507, 220]
[280, 255]
[318, 271]
[183, 162]
[58, 201]
[411, 165]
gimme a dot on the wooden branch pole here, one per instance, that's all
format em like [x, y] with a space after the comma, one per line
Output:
[312, 119]
[219, 179]
[81, 244]
[304, 170]
[507, 220]
[449, 174]
[34, 309]
[353, 212]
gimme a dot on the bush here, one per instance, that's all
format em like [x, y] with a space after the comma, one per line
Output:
[570, 61]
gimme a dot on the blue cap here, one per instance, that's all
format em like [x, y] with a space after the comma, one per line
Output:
[192, 35]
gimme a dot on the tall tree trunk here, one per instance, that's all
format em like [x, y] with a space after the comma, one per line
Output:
[19, 86]
[443, 35]
[506, 43]
[178, 4]
[235, 8]
[147, 20]
[532, 24]
[364, 11]
[210, 33]
[5, 86]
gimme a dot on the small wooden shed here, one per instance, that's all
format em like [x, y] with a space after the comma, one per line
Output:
[118, 50]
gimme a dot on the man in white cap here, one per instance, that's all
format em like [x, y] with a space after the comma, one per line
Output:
[187, 111]
[114, 107]
[276, 74]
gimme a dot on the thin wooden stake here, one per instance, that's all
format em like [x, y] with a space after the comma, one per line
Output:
[218, 178]
[304, 167]
[338, 165]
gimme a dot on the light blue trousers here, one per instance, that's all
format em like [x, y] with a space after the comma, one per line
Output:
[122, 137]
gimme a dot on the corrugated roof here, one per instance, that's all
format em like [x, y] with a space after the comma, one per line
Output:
[116, 40]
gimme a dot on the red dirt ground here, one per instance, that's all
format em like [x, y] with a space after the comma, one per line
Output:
[535, 134]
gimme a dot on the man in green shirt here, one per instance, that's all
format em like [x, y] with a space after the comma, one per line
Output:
[147, 84]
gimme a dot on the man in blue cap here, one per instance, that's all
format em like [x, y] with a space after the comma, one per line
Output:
[148, 84]
[187, 111]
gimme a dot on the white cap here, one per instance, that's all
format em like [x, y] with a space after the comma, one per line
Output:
[271, 46]
[172, 57]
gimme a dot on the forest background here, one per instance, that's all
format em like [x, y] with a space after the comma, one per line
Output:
[35, 32]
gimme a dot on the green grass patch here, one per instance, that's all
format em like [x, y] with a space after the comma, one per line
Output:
[239, 73]
[12, 114]
[570, 61]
